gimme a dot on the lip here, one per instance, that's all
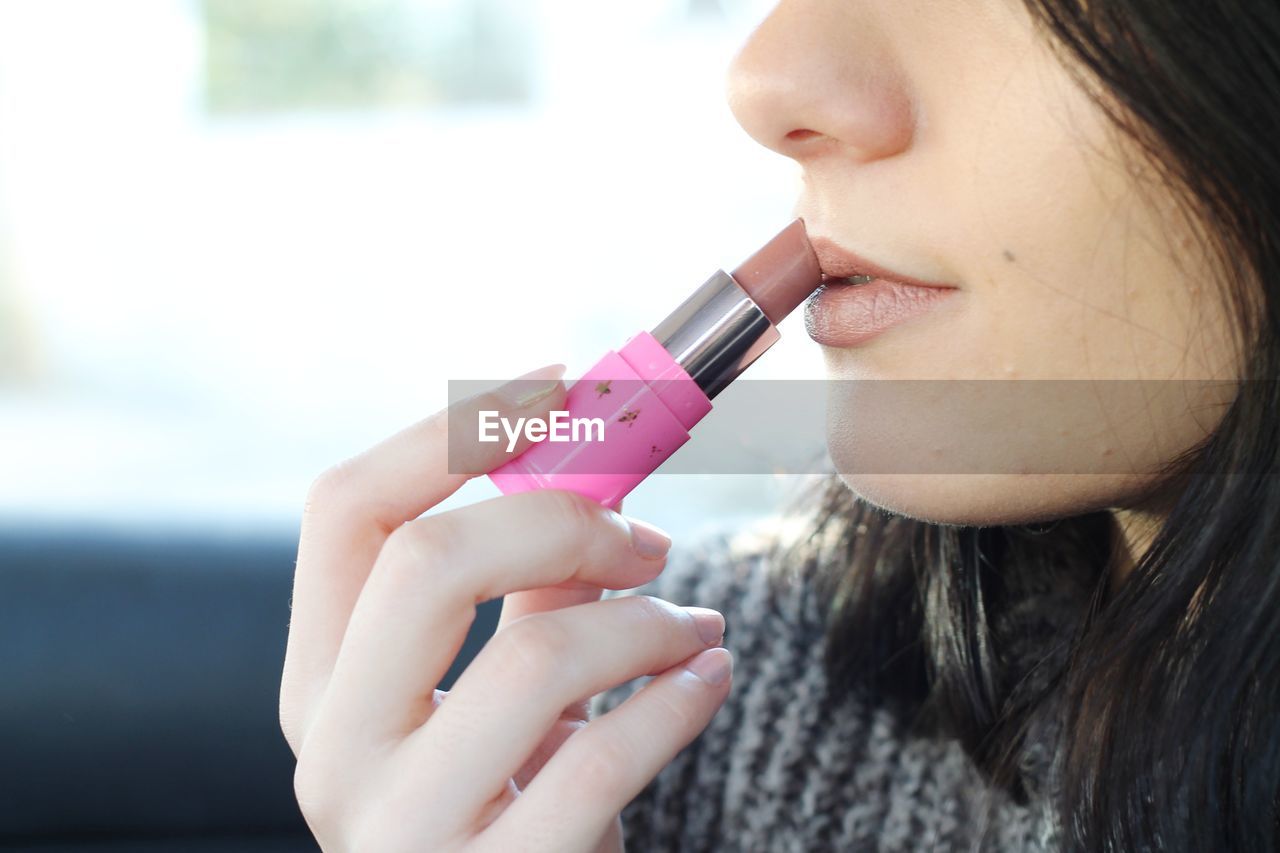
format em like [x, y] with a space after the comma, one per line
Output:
[846, 315]
[839, 262]
[849, 315]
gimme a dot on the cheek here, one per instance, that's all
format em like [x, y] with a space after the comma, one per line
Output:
[1080, 262]
[1118, 296]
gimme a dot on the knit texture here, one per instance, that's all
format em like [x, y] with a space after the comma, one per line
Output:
[789, 764]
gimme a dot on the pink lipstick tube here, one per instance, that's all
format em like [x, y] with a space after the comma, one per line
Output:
[650, 393]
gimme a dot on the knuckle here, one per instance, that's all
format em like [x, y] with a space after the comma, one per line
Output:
[445, 430]
[341, 493]
[674, 713]
[290, 726]
[657, 609]
[535, 649]
[414, 556]
[400, 547]
[418, 545]
[604, 769]
[436, 427]
[329, 488]
[313, 788]
[662, 620]
[580, 516]
[398, 556]
[293, 706]
[418, 565]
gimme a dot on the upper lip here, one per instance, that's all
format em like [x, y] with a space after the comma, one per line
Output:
[838, 262]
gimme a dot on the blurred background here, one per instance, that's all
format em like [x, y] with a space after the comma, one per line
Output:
[240, 241]
[243, 240]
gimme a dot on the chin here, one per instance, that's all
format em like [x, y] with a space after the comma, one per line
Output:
[984, 500]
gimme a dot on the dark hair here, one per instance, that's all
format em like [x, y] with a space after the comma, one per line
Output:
[1168, 691]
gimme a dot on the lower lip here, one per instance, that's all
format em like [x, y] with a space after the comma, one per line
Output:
[847, 315]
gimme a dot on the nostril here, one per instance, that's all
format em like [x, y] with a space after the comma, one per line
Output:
[801, 135]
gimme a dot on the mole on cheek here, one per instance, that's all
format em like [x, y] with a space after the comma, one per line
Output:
[1008, 256]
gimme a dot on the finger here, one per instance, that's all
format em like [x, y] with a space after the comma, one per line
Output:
[522, 603]
[414, 611]
[353, 507]
[517, 605]
[572, 802]
[502, 706]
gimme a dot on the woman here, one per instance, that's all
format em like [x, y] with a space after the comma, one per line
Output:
[1067, 643]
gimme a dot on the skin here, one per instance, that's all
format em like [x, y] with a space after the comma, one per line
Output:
[943, 140]
[948, 142]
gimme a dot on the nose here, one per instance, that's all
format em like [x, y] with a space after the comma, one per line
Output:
[817, 78]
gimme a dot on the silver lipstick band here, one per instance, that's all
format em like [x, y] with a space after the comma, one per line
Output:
[716, 333]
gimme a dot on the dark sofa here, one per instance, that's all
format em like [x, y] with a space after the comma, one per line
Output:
[138, 685]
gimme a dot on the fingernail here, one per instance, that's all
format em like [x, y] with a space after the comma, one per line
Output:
[714, 666]
[648, 541]
[710, 623]
[533, 386]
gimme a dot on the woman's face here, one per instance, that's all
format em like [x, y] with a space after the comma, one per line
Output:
[946, 142]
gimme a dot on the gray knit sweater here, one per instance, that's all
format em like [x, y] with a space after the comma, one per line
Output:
[786, 765]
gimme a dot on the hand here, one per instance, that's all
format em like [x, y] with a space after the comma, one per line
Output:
[508, 759]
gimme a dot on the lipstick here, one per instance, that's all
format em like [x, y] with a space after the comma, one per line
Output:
[653, 390]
